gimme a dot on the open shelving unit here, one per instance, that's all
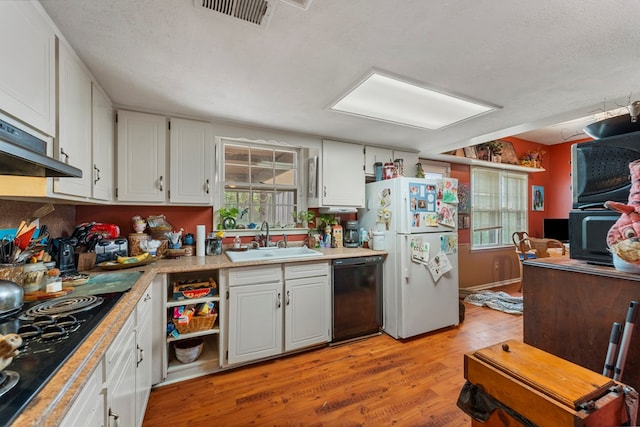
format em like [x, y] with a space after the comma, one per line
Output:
[210, 358]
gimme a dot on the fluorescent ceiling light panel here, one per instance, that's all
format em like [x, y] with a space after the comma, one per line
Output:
[388, 99]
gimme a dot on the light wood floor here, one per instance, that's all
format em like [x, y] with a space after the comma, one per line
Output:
[378, 381]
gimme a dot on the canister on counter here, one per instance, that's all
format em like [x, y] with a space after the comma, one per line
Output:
[388, 170]
[336, 231]
[134, 243]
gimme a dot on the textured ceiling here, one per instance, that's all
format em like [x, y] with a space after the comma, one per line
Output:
[544, 61]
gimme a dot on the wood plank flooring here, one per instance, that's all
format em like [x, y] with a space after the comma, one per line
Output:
[377, 381]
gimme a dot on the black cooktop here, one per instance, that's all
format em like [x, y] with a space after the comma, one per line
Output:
[51, 331]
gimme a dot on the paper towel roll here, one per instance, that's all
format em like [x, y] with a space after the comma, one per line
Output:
[200, 240]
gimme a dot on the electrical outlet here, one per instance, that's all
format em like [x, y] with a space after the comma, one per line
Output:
[496, 265]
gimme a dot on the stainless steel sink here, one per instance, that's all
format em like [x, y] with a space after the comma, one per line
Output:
[272, 254]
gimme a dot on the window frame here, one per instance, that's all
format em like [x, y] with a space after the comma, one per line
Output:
[254, 188]
[512, 214]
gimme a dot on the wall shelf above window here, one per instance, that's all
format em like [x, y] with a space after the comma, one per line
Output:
[475, 162]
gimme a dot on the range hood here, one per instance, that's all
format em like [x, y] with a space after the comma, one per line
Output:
[23, 154]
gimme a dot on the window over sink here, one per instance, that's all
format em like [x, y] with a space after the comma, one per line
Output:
[261, 181]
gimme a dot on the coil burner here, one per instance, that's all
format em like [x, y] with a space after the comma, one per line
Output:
[62, 306]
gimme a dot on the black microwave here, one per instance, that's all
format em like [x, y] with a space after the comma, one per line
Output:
[588, 235]
[600, 170]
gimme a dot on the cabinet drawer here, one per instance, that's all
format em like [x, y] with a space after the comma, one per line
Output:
[306, 269]
[118, 347]
[255, 275]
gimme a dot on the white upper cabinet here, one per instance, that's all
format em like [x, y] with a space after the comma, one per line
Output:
[73, 142]
[102, 144]
[374, 155]
[191, 162]
[341, 179]
[141, 157]
[409, 160]
[383, 155]
[27, 74]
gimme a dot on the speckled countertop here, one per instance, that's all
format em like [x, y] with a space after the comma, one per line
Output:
[51, 404]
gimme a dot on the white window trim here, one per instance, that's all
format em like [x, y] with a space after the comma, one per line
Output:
[506, 240]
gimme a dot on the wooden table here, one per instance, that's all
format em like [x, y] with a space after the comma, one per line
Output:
[570, 307]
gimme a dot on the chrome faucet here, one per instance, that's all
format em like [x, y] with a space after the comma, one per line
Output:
[284, 241]
[267, 241]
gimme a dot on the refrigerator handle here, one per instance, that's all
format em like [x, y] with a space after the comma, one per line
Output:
[403, 259]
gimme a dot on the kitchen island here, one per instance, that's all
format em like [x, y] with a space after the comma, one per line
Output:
[54, 400]
[570, 306]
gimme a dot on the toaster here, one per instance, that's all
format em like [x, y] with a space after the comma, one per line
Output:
[111, 249]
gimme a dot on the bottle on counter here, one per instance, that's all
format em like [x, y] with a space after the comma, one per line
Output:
[236, 242]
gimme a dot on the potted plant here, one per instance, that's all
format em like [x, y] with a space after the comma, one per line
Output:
[228, 217]
[305, 217]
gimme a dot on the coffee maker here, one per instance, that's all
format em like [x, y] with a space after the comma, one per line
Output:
[64, 255]
[351, 236]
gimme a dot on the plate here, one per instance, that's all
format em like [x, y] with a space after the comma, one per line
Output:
[75, 280]
[115, 265]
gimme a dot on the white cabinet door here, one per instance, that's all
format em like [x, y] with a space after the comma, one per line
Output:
[409, 160]
[343, 182]
[307, 312]
[143, 352]
[27, 74]
[141, 157]
[375, 155]
[88, 408]
[159, 330]
[103, 145]
[191, 162]
[121, 389]
[255, 322]
[73, 142]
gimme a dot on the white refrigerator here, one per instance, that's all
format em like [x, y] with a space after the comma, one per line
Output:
[419, 219]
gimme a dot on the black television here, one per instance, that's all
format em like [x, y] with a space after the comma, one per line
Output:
[556, 228]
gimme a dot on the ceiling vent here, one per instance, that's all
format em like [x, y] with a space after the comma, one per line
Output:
[303, 4]
[255, 12]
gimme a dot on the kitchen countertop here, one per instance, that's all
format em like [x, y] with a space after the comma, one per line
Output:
[50, 405]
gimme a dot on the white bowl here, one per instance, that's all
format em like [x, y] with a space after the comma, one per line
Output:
[188, 350]
[625, 266]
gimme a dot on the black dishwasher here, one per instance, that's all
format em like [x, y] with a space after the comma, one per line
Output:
[357, 297]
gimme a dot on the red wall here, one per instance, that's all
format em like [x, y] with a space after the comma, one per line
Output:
[556, 180]
[186, 217]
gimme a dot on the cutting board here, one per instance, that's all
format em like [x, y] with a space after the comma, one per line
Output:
[42, 295]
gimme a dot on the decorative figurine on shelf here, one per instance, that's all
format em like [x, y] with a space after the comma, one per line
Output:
[327, 236]
[419, 170]
[622, 238]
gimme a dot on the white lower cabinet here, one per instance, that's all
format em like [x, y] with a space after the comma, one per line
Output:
[277, 309]
[88, 408]
[255, 321]
[117, 392]
[307, 305]
[121, 380]
[144, 345]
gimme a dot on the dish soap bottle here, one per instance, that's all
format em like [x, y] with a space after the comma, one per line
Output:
[236, 242]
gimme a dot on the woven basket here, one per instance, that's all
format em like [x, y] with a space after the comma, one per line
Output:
[196, 324]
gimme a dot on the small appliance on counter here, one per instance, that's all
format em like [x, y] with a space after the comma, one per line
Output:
[350, 234]
[64, 254]
[111, 249]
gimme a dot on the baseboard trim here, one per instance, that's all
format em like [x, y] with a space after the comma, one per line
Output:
[463, 292]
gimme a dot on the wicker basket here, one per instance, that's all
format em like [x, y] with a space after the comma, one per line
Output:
[196, 324]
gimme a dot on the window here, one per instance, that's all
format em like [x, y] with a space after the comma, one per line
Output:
[261, 181]
[499, 201]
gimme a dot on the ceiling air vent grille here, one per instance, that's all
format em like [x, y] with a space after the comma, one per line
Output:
[252, 11]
